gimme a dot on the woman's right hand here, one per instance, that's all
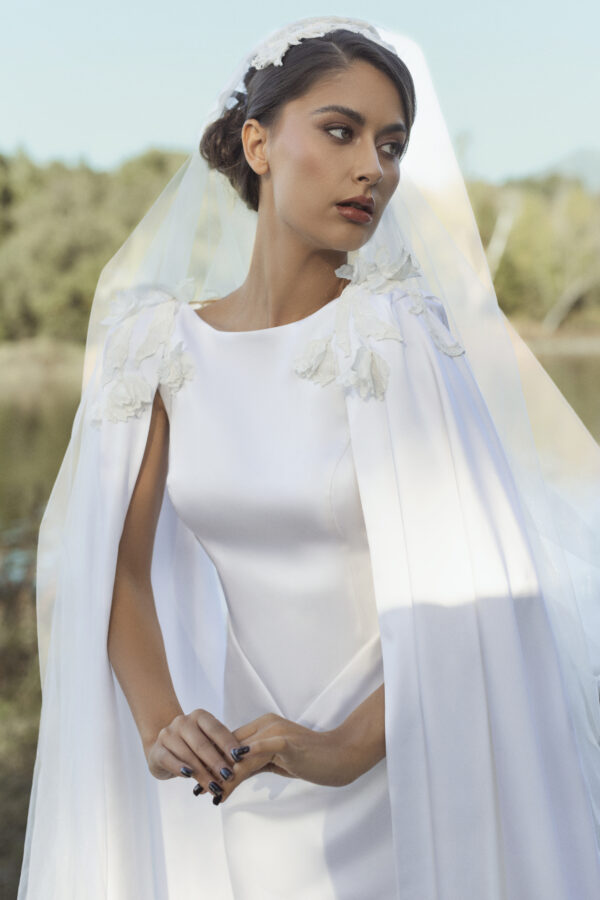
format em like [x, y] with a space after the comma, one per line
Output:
[203, 746]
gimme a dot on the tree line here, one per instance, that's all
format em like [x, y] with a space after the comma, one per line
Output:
[60, 224]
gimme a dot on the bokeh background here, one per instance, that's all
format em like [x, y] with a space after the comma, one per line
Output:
[101, 103]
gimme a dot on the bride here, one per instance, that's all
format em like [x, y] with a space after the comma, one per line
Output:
[303, 560]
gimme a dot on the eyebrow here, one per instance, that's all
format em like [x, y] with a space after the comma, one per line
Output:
[359, 118]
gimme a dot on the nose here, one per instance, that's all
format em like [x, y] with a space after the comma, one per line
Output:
[368, 165]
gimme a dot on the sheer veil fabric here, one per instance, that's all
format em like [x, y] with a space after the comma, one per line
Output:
[476, 540]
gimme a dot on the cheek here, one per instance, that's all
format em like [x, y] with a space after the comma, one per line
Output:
[391, 185]
[303, 168]
[305, 151]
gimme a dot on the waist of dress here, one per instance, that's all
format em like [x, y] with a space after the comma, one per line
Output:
[247, 696]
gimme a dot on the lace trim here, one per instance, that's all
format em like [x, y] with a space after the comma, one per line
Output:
[133, 369]
[366, 370]
[272, 51]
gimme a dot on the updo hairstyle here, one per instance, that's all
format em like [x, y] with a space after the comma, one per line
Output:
[268, 90]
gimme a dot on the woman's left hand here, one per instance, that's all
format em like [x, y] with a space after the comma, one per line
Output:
[286, 748]
[333, 758]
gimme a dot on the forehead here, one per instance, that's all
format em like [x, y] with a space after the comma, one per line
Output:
[361, 86]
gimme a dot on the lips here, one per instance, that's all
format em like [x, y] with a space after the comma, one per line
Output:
[365, 203]
[353, 214]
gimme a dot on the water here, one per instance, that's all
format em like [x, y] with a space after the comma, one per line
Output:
[33, 444]
[578, 378]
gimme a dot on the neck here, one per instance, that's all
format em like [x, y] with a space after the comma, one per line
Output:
[287, 279]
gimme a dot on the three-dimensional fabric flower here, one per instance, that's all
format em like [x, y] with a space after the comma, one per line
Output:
[128, 383]
[361, 367]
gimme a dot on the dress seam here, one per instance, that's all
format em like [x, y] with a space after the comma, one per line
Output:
[333, 474]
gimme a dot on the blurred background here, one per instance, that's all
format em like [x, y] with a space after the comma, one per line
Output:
[95, 118]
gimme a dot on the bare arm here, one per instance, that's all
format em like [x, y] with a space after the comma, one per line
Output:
[135, 643]
[175, 744]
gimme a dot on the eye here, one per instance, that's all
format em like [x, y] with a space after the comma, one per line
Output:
[397, 146]
[331, 128]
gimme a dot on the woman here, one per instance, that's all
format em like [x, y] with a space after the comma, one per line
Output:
[292, 557]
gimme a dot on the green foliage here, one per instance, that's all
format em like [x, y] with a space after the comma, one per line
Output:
[59, 226]
[553, 244]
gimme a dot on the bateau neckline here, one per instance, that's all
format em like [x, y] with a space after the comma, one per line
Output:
[274, 328]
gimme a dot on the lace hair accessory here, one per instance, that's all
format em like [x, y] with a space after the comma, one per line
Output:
[272, 51]
[194, 245]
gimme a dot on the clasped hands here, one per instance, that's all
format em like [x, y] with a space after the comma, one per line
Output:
[197, 745]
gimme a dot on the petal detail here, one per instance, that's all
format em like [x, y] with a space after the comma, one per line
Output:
[436, 321]
[357, 323]
[177, 368]
[317, 362]
[142, 316]
[369, 373]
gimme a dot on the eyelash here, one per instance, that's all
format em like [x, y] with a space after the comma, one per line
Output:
[400, 146]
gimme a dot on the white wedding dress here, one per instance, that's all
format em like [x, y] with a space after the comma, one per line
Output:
[311, 546]
[261, 471]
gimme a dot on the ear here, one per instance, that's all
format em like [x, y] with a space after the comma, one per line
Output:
[254, 141]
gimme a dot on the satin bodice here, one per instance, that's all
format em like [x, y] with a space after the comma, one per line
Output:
[261, 470]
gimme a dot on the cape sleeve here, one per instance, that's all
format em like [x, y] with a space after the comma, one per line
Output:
[97, 819]
[488, 680]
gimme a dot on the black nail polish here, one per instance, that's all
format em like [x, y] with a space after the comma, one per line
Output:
[185, 770]
[215, 788]
[226, 773]
[198, 789]
[238, 752]
[216, 800]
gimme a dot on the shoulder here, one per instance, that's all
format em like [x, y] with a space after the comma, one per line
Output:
[140, 353]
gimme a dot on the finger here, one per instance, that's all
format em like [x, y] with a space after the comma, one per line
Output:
[163, 763]
[277, 770]
[243, 734]
[260, 759]
[246, 731]
[221, 770]
[265, 748]
[224, 739]
[179, 751]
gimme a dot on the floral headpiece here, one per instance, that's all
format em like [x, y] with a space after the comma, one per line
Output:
[272, 51]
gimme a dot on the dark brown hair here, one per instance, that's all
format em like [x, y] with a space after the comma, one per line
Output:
[269, 89]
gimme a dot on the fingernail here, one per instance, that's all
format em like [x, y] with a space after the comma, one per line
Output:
[238, 752]
[216, 800]
[215, 788]
[226, 773]
[185, 770]
[198, 789]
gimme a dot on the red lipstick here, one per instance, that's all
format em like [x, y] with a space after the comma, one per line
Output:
[357, 209]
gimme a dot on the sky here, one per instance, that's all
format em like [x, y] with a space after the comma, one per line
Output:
[518, 82]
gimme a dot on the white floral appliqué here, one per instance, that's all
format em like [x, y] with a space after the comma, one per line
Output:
[272, 51]
[126, 396]
[176, 368]
[127, 384]
[438, 330]
[361, 367]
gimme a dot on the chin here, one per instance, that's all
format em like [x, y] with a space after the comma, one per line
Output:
[360, 239]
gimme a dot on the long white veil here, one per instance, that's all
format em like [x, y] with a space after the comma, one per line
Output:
[196, 242]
